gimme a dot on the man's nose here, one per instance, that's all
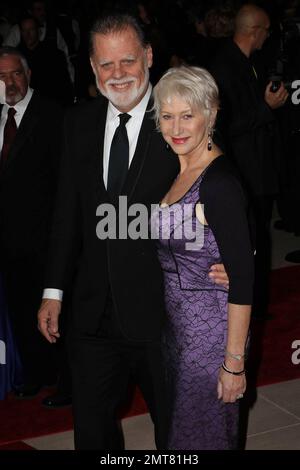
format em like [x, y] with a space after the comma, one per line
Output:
[118, 71]
[8, 80]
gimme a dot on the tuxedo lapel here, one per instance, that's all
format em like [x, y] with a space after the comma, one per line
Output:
[97, 133]
[141, 152]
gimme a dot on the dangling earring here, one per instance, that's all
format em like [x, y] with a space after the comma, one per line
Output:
[209, 142]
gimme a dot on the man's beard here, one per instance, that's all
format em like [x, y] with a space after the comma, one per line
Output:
[128, 98]
[13, 99]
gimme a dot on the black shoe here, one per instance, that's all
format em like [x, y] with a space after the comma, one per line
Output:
[293, 257]
[57, 400]
[27, 390]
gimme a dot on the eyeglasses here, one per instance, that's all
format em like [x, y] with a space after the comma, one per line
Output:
[267, 30]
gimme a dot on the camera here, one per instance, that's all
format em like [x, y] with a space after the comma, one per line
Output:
[286, 66]
[276, 80]
[275, 85]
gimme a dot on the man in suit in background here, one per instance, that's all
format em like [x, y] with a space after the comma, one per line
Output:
[30, 129]
[41, 56]
[248, 124]
[118, 304]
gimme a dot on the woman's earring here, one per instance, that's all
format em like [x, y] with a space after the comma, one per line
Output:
[209, 142]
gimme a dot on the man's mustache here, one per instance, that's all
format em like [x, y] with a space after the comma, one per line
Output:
[113, 81]
[11, 89]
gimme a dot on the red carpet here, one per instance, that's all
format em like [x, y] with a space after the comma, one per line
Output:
[24, 419]
[269, 362]
[271, 345]
[16, 445]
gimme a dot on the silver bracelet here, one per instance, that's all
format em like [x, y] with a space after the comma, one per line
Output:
[238, 357]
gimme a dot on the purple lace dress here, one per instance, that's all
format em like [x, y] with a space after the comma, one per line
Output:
[195, 334]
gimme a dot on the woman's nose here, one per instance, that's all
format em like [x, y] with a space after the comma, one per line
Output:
[176, 126]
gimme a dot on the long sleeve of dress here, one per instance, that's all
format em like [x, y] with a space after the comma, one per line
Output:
[225, 209]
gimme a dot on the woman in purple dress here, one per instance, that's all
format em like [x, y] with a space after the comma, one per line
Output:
[201, 221]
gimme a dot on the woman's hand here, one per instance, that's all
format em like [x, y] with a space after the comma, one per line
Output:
[230, 386]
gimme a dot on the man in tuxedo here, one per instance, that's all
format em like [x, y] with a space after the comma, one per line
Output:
[30, 129]
[118, 303]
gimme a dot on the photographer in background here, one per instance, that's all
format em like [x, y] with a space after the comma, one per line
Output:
[249, 128]
[288, 69]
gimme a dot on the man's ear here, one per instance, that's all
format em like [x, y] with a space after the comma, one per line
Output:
[149, 55]
[28, 74]
[93, 66]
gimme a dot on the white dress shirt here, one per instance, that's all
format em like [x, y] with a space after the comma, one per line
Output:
[133, 127]
[20, 108]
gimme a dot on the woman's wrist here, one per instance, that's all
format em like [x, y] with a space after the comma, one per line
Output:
[233, 364]
[228, 370]
[238, 356]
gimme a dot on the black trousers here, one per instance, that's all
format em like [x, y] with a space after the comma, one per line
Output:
[101, 366]
[263, 206]
[288, 201]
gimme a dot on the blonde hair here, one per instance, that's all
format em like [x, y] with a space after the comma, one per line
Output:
[195, 85]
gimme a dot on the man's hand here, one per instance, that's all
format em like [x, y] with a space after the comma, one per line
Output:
[218, 275]
[48, 319]
[277, 99]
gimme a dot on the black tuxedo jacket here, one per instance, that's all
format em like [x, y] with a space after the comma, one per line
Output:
[246, 121]
[129, 268]
[28, 181]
